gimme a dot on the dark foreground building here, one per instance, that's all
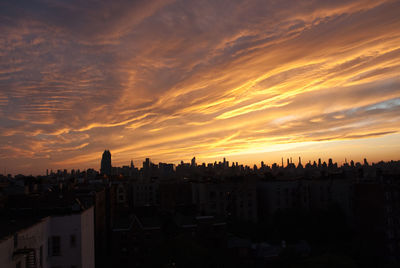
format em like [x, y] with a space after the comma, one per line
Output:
[105, 168]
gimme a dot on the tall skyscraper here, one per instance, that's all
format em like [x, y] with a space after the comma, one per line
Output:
[105, 168]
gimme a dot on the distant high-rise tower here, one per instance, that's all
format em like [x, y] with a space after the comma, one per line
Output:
[105, 168]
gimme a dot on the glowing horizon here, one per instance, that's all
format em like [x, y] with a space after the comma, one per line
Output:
[250, 81]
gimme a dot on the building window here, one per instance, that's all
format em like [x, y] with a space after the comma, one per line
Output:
[390, 234]
[72, 241]
[41, 256]
[55, 246]
[49, 246]
[15, 240]
[389, 209]
[212, 194]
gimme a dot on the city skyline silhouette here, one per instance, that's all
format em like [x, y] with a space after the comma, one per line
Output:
[213, 133]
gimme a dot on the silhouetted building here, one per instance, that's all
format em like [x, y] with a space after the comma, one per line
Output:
[302, 194]
[145, 194]
[231, 200]
[105, 168]
[377, 210]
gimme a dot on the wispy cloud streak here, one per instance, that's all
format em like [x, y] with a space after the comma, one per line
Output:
[172, 79]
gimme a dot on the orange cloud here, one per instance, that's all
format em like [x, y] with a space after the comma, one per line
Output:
[184, 78]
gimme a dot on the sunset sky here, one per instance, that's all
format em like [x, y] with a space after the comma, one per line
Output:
[169, 80]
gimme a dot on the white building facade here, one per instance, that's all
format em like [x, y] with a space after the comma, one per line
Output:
[64, 241]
